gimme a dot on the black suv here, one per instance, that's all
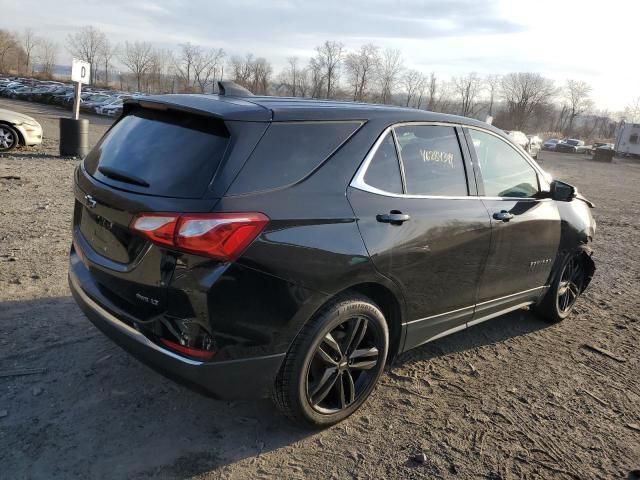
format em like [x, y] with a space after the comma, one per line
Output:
[255, 246]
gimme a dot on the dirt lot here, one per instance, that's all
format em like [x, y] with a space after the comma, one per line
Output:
[512, 398]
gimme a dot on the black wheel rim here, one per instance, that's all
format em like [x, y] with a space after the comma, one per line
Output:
[570, 286]
[343, 366]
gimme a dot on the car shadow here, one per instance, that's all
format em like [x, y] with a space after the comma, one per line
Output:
[75, 404]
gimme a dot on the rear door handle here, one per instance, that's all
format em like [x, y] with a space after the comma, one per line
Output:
[394, 218]
[503, 215]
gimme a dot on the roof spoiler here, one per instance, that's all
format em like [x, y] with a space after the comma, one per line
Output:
[232, 89]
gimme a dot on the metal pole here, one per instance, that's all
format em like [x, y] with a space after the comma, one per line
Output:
[76, 102]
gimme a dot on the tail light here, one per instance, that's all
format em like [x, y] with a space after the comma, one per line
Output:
[218, 235]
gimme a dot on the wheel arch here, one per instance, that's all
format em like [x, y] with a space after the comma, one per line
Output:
[21, 140]
[391, 307]
[582, 250]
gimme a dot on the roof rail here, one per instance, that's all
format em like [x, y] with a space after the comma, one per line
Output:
[232, 89]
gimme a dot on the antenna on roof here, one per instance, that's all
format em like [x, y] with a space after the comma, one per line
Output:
[232, 89]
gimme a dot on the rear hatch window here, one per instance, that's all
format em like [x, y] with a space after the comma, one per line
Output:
[169, 154]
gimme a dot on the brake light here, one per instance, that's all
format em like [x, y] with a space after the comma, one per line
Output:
[217, 235]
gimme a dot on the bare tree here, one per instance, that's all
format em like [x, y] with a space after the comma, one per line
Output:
[389, 71]
[523, 92]
[106, 53]
[206, 65]
[432, 89]
[86, 45]
[360, 67]
[291, 76]
[261, 71]
[492, 83]
[561, 119]
[7, 43]
[467, 87]
[577, 95]
[632, 111]
[303, 82]
[329, 56]
[413, 82]
[137, 57]
[46, 54]
[252, 73]
[29, 43]
[241, 69]
[160, 76]
[316, 78]
[184, 63]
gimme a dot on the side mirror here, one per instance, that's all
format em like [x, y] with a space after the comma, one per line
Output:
[562, 192]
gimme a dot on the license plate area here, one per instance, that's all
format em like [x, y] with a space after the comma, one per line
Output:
[105, 237]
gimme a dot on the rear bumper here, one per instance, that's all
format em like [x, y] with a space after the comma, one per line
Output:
[234, 379]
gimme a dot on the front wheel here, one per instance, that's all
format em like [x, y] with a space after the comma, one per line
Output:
[334, 363]
[561, 297]
[8, 138]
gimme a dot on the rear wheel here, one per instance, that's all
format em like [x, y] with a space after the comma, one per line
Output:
[334, 363]
[8, 138]
[564, 290]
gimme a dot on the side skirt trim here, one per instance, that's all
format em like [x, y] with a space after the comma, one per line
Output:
[499, 312]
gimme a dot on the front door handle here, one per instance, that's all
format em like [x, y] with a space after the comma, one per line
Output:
[394, 217]
[503, 215]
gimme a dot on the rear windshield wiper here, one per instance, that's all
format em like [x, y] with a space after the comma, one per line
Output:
[122, 176]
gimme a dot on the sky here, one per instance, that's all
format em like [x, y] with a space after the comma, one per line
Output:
[594, 41]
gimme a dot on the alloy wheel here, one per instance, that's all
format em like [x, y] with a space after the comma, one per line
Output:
[7, 138]
[570, 285]
[343, 366]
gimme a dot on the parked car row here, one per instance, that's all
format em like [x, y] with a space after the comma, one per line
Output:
[574, 145]
[92, 100]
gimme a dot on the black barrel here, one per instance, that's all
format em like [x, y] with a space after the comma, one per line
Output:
[604, 154]
[74, 137]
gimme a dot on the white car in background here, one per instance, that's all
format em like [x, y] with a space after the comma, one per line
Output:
[18, 129]
[518, 138]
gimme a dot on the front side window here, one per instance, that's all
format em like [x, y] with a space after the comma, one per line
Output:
[633, 138]
[383, 172]
[505, 172]
[432, 160]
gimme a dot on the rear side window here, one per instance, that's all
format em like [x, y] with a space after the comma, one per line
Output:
[160, 153]
[290, 151]
[383, 172]
[432, 160]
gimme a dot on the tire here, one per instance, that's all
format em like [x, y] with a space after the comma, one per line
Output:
[318, 384]
[9, 138]
[559, 300]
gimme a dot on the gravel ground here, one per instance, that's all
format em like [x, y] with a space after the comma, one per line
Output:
[512, 398]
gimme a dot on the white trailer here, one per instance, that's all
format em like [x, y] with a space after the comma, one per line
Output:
[628, 139]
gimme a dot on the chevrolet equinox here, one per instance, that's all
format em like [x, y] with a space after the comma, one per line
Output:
[254, 246]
